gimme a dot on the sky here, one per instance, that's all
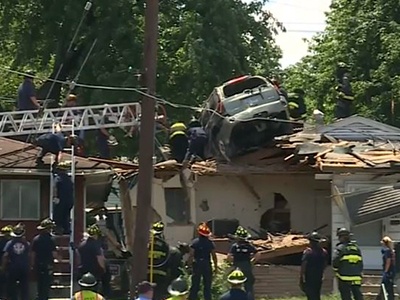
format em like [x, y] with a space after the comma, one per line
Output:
[302, 19]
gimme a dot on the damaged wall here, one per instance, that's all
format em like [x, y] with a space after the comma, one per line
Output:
[229, 197]
[368, 235]
[171, 205]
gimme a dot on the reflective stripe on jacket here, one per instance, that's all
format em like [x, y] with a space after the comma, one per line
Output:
[348, 262]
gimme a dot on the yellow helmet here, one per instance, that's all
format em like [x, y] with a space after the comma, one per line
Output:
[242, 233]
[94, 230]
[236, 277]
[158, 227]
[178, 127]
[6, 230]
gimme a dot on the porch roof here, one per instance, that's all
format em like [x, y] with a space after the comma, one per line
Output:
[19, 158]
[374, 204]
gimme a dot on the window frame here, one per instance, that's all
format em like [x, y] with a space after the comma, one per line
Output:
[21, 182]
[187, 208]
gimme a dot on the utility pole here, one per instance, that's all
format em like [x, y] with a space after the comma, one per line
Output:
[146, 147]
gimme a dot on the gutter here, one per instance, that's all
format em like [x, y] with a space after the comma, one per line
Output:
[47, 173]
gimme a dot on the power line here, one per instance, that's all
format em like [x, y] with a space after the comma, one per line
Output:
[158, 99]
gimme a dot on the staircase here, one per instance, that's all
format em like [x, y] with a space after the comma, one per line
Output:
[60, 289]
[372, 284]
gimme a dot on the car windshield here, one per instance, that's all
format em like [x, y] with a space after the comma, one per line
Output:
[252, 98]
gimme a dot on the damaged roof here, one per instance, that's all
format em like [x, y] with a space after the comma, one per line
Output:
[356, 128]
[21, 157]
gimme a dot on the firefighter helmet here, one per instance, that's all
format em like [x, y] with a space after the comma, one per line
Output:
[158, 227]
[46, 224]
[179, 126]
[94, 230]
[87, 280]
[242, 233]
[204, 230]
[236, 277]
[178, 287]
[18, 230]
[6, 230]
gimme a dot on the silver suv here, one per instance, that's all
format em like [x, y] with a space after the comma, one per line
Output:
[242, 114]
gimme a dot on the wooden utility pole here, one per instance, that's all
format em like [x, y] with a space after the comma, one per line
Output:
[146, 147]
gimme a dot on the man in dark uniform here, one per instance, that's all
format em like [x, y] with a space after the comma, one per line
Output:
[53, 143]
[236, 278]
[158, 261]
[4, 238]
[44, 251]
[64, 198]
[16, 262]
[202, 249]
[347, 262]
[242, 254]
[91, 255]
[345, 96]
[197, 140]
[105, 140]
[27, 93]
[314, 262]
[178, 142]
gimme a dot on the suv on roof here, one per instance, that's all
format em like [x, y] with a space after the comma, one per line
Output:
[243, 114]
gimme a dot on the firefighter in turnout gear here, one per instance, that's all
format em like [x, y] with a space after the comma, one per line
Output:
[88, 283]
[178, 142]
[345, 96]
[5, 236]
[158, 261]
[236, 279]
[242, 254]
[347, 262]
[178, 289]
[16, 263]
[297, 105]
[201, 252]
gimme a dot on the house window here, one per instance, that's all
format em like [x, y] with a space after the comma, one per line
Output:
[177, 205]
[20, 199]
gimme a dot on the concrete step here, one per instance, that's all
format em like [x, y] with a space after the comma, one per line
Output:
[63, 252]
[62, 240]
[60, 278]
[372, 296]
[372, 279]
[60, 291]
[371, 288]
[61, 268]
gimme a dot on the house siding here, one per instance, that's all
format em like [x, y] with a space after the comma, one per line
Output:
[274, 281]
[30, 225]
[228, 197]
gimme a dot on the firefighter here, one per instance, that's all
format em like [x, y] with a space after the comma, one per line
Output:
[236, 278]
[159, 253]
[4, 238]
[347, 262]
[88, 283]
[43, 253]
[105, 140]
[314, 262]
[345, 96]
[202, 249]
[71, 101]
[64, 197]
[296, 104]
[53, 143]
[91, 255]
[178, 141]
[16, 263]
[242, 254]
[27, 93]
[178, 289]
[197, 140]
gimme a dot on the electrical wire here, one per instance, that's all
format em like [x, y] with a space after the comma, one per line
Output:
[161, 100]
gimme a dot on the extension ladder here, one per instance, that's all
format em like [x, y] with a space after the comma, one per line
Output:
[91, 117]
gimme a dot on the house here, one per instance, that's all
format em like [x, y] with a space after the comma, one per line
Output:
[342, 175]
[25, 189]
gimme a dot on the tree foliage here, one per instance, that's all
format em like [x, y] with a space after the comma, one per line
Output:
[201, 44]
[363, 34]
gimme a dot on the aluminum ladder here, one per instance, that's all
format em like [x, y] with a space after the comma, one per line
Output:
[70, 149]
[91, 117]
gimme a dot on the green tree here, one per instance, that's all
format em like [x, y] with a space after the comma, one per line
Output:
[362, 34]
[201, 44]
